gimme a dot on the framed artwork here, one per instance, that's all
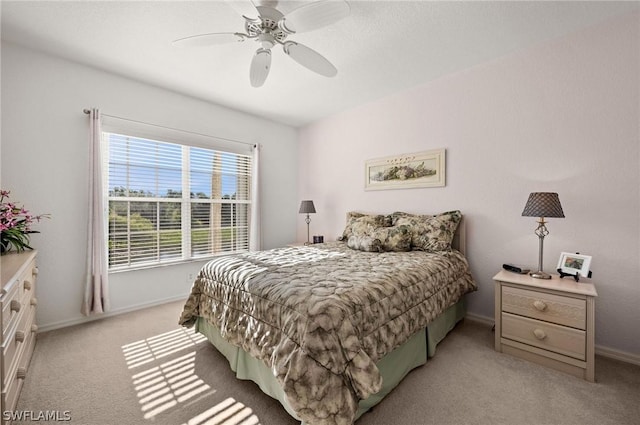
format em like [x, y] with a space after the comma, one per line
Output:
[574, 264]
[421, 169]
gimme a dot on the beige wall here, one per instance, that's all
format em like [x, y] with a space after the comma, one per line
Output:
[44, 164]
[560, 117]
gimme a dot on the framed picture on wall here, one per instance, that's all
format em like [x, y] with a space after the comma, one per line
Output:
[573, 264]
[421, 169]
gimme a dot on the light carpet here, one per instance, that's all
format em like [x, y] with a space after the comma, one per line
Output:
[142, 368]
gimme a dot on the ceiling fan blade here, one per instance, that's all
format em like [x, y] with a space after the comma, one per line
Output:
[315, 15]
[310, 59]
[245, 8]
[209, 39]
[260, 66]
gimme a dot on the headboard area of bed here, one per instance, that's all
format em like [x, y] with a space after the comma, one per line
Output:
[459, 241]
[363, 222]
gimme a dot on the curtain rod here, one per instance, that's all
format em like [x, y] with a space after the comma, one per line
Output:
[88, 111]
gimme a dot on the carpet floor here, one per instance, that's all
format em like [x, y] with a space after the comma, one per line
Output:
[142, 368]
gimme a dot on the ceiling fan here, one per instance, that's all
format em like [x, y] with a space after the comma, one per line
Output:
[268, 26]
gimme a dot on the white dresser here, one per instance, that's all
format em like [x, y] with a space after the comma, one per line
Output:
[547, 321]
[18, 302]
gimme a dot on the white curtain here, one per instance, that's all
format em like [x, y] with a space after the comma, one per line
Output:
[96, 291]
[255, 230]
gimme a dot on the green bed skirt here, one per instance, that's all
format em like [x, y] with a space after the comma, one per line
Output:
[393, 367]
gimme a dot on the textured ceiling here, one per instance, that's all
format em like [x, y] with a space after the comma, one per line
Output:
[382, 47]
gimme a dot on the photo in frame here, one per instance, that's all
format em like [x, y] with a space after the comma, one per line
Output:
[572, 263]
[415, 170]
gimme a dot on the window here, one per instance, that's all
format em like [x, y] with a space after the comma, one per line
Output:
[172, 202]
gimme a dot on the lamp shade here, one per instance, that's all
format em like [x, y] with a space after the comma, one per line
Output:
[307, 207]
[543, 204]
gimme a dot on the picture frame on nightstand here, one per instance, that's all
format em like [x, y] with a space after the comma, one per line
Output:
[572, 263]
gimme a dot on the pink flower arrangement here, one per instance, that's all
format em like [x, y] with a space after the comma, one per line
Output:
[15, 225]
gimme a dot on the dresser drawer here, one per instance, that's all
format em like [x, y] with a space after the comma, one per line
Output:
[29, 345]
[10, 394]
[18, 294]
[28, 283]
[552, 308]
[559, 339]
[11, 306]
[12, 348]
[13, 383]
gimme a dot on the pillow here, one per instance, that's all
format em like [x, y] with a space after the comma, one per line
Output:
[393, 218]
[363, 223]
[430, 232]
[364, 243]
[395, 238]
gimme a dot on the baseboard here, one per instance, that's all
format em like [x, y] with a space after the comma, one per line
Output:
[622, 356]
[116, 312]
[487, 321]
[610, 353]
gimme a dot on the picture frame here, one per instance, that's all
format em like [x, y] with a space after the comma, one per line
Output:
[574, 264]
[414, 170]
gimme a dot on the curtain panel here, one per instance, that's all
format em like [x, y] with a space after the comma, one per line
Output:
[255, 228]
[96, 290]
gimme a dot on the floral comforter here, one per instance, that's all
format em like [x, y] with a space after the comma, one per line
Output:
[321, 316]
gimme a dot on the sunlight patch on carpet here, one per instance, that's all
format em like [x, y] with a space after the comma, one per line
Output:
[174, 383]
[162, 387]
[227, 412]
[159, 346]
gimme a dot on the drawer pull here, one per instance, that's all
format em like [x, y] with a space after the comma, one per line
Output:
[21, 373]
[34, 301]
[539, 333]
[15, 305]
[27, 285]
[20, 336]
[35, 271]
[539, 305]
[34, 328]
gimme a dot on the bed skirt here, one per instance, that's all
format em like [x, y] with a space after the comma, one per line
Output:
[393, 367]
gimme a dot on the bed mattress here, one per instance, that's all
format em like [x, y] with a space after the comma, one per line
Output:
[321, 317]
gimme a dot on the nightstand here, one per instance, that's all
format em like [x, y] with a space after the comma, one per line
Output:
[550, 322]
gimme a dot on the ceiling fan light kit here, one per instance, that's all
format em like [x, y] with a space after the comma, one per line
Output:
[271, 27]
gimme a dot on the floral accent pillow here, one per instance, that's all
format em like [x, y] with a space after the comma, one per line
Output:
[363, 223]
[364, 243]
[430, 232]
[395, 238]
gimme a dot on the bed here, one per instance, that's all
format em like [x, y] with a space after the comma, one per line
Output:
[330, 329]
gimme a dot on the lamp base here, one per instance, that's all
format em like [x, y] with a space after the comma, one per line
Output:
[540, 275]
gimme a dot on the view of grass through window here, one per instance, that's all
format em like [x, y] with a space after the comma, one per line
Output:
[170, 202]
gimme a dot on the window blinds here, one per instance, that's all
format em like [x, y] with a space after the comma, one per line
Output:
[170, 202]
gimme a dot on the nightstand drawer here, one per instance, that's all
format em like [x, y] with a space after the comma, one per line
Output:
[559, 339]
[562, 310]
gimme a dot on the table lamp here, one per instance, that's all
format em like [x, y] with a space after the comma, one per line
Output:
[306, 207]
[542, 204]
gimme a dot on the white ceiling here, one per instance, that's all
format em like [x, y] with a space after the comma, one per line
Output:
[382, 47]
